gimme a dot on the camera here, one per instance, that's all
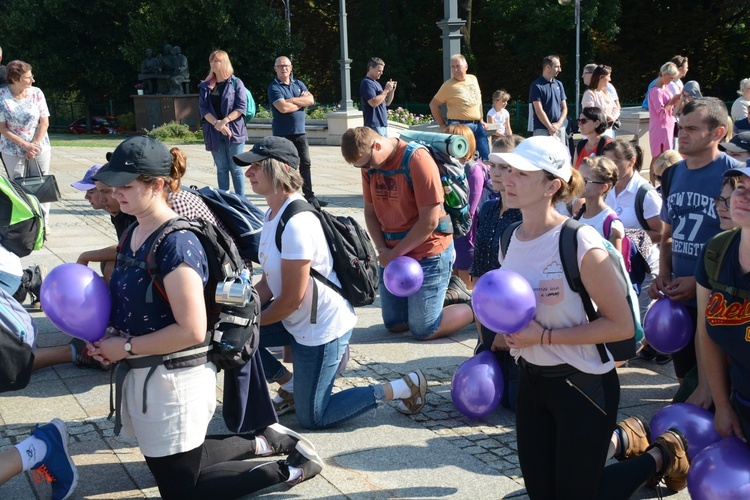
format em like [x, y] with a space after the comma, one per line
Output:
[233, 291]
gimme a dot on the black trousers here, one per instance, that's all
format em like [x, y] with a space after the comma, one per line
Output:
[215, 470]
[563, 438]
[305, 164]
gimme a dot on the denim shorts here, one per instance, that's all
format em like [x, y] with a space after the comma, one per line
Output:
[423, 310]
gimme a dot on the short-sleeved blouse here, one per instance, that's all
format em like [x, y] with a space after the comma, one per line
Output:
[22, 116]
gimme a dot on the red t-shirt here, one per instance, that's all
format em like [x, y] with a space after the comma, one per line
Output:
[397, 204]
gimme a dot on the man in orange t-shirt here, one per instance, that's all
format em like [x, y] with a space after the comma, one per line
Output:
[405, 219]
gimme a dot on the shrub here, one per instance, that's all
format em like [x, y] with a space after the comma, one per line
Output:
[401, 115]
[261, 112]
[127, 121]
[174, 131]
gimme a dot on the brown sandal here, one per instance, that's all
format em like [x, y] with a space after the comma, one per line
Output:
[414, 403]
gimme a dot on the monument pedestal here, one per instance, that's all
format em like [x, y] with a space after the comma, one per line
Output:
[339, 122]
[155, 110]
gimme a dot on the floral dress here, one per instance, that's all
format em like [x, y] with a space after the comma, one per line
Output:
[22, 118]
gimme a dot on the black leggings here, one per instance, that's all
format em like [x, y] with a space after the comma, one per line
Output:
[563, 438]
[215, 470]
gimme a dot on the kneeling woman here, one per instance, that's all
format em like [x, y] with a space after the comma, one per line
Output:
[300, 310]
[168, 410]
[567, 395]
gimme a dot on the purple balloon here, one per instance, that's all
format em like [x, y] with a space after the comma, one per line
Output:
[696, 423]
[403, 276]
[668, 326]
[721, 470]
[477, 385]
[76, 300]
[503, 301]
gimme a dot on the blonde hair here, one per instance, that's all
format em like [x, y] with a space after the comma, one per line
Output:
[568, 190]
[283, 177]
[226, 66]
[669, 69]
[665, 160]
[356, 142]
[604, 168]
[501, 95]
[463, 130]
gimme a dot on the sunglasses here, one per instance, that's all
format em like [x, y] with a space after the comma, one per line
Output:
[583, 121]
[368, 165]
[589, 181]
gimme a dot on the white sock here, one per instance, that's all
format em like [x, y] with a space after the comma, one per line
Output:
[73, 353]
[289, 386]
[294, 474]
[401, 388]
[32, 450]
[261, 446]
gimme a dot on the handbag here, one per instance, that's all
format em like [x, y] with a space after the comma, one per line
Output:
[43, 187]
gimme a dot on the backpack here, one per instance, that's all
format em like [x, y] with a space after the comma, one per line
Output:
[636, 248]
[243, 220]
[21, 219]
[640, 197]
[17, 337]
[234, 327]
[454, 174]
[621, 350]
[353, 256]
[250, 108]
[713, 258]
[599, 147]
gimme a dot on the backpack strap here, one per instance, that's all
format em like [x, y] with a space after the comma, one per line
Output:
[569, 258]
[666, 181]
[291, 210]
[607, 225]
[579, 147]
[716, 249]
[600, 146]
[507, 235]
[640, 197]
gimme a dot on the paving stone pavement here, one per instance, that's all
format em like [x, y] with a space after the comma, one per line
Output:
[382, 454]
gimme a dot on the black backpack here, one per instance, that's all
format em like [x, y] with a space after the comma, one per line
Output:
[353, 256]
[233, 330]
[458, 220]
[621, 350]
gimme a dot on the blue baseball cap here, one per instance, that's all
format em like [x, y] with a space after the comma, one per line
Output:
[88, 180]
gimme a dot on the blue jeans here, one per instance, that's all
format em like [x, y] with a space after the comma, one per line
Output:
[314, 373]
[225, 166]
[480, 135]
[383, 131]
[423, 310]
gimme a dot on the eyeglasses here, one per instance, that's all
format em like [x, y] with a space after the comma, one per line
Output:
[583, 121]
[283, 66]
[368, 165]
[589, 181]
[657, 177]
[720, 200]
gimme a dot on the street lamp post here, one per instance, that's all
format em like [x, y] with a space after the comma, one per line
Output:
[565, 3]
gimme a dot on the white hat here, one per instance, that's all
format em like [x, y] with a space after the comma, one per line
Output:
[538, 153]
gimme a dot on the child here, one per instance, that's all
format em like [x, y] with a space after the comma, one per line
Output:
[498, 114]
[600, 175]
[664, 161]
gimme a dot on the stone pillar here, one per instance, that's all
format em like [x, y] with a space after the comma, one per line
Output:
[345, 62]
[451, 28]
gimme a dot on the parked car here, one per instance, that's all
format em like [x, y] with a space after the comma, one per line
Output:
[100, 125]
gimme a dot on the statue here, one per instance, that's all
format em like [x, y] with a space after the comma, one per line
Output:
[165, 73]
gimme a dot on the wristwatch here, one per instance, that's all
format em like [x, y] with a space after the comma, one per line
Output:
[129, 346]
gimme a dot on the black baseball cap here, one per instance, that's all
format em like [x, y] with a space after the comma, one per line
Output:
[277, 148]
[739, 143]
[135, 156]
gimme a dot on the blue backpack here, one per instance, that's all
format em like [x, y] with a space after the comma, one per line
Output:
[250, 109]
[17, 337]
[243, 220]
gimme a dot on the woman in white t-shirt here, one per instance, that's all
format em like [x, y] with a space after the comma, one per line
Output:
[629, 158]
[568, 397]
[300, 311]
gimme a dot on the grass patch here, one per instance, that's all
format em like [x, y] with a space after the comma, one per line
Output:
[86, 141]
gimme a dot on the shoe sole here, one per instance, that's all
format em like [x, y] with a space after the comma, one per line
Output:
[289, 432]
[422, 394]
[63, 430]
[281, 410]
[311, 455]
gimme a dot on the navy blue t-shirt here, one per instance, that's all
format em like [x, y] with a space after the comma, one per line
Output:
[131, 314]
[691, 211]
[377, 116]
[551, 95]
[286, 123]
[728, 316]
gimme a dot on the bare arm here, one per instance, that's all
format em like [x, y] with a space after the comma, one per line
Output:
[662, 280]
[385, 96]
[429, 217]
[294, 103]
[541, 114]
[295, 276]
[105, 254]
[436, 113]
[657, 226]
[28, 146]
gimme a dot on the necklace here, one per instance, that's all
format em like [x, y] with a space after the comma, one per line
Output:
[141, 234]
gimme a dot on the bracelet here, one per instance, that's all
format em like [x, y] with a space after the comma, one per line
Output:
[549, 337]
[541, 341]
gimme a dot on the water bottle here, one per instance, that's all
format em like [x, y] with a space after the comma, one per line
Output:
[245, 275]
[451, 198]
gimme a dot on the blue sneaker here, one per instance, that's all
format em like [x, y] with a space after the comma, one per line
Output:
[56, 467]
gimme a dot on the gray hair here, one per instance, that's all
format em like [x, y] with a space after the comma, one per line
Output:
[744, 83]
[459, 57]
[283, 177]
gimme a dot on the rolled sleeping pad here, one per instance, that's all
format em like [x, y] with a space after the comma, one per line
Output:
[454, 145]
